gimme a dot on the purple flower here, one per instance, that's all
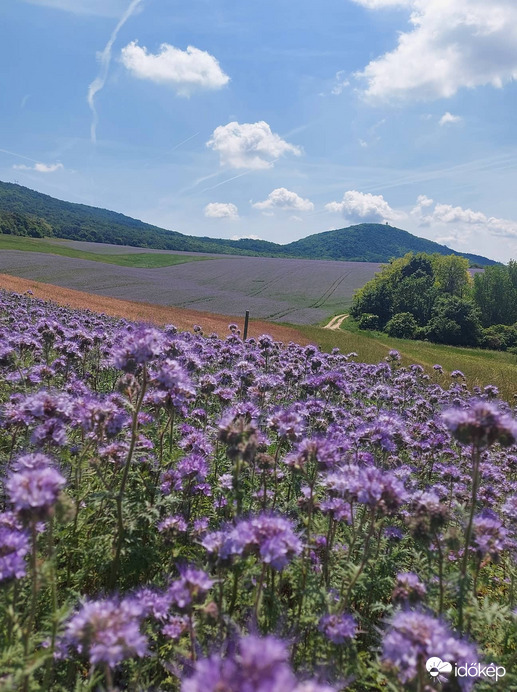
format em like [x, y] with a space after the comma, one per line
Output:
[413, 637]
[270, 537]
[489, 537]
[33, 492]
[257, 665]
[176, 625]
[408, 588]
[14, 546]
[107, 631]
[482, 424]
[338, 628]
[137, 348]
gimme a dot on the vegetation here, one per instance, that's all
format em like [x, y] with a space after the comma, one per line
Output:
[434, 297]
[29, 213]
[138, 259]
[479, 366]
[192, 514]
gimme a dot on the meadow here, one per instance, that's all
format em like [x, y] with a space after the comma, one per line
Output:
[195, 513]
[479, 366]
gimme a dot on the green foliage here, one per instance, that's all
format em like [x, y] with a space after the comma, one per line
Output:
[425, 296]
[451, 274]
[454, 321]
[495, 293]
[402, 325]
[368, 321]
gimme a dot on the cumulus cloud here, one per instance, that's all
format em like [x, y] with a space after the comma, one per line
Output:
[250, 145]
[461, 218]
[450, 119]
[222, 210]
[184, 70]
[40, 167]
[363, 207]
[281, 198]
[452, 44]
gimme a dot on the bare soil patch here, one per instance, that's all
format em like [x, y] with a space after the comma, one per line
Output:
[147, 312]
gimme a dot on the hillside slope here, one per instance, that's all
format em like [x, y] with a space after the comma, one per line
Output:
[30, 213]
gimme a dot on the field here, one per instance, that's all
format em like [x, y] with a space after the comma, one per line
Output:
[97, 253]
[480, 367]
[295, 291]
[187, 513]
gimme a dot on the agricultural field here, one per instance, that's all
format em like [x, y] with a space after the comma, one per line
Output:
[288, 290]
[109, 254]
[189, 513]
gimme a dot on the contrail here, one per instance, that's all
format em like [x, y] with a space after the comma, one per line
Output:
[105, 59]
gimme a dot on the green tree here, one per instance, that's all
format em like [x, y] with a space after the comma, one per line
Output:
[402, 326]
[455, 321]
[495, 294]
[451, 274]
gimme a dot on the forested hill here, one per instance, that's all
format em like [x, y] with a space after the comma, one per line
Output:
[30, 213]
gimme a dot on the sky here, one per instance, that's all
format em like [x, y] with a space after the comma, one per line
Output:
[269, 119]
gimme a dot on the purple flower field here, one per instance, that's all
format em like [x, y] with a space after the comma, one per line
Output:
[187, 513]
[282, 290]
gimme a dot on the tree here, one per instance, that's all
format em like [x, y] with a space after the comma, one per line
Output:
[455, 321]
[495, 293]
[402, 326]
[451, 274]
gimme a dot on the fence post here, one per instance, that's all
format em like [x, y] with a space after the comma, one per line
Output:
[246, 320]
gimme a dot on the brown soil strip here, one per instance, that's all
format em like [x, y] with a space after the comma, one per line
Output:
[147, 312]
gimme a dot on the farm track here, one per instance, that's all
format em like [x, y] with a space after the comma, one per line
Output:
[332, 289]
[147, 312]
[336, 322]
[318, 303]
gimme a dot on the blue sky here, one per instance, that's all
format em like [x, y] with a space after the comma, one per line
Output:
[273, 119]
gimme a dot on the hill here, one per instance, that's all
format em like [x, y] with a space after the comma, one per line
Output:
[29, 213]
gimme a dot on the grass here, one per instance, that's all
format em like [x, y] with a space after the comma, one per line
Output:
[480, 367]
[145, 260]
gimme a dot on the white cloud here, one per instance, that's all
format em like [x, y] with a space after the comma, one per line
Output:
[450, 119]
[245, 237]
[281, 198]
[250, 145]
[102, 8]
[453, 44]
[221, 210]
[361, 207]
[185, 70]
[341, 83]
[40, 167]
[104, 58]
[462, 219]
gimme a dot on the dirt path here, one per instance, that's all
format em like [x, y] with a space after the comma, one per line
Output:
[336, 322]
[147, 312]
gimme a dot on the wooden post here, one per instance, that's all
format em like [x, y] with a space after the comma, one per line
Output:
[246, 321]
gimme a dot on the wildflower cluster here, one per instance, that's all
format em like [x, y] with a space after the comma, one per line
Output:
[192, 513]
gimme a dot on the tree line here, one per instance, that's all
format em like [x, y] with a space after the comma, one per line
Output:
[435, 297]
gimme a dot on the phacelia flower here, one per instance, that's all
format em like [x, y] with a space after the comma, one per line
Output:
[107, 631]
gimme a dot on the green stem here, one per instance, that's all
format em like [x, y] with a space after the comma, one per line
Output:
[476, 458]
